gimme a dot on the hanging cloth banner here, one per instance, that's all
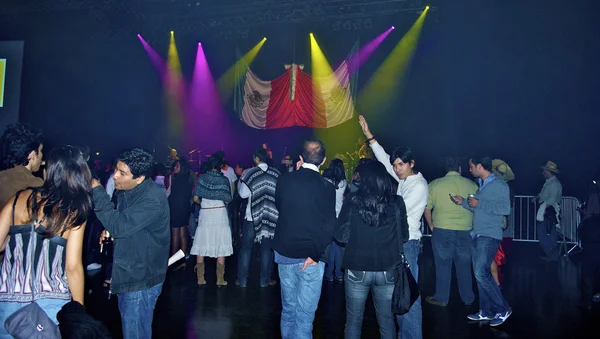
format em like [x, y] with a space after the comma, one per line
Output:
[294, 99]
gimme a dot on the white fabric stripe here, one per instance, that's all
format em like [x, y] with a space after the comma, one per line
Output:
[255, 115]
[336, 93]
[58, 275]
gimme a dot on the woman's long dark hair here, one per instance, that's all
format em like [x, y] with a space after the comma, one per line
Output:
[65, 200]
[184, 167]
[336, 172]
[375, 193]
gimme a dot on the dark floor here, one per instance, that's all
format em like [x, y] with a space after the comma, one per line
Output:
[543, 297]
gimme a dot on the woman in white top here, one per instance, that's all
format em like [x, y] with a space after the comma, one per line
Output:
[336, 174]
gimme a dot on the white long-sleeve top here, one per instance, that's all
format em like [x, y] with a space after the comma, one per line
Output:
[110, 185]
[413, 190]
[339, 195]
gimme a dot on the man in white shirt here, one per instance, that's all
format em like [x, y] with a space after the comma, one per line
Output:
[413, 188]
[258, 185]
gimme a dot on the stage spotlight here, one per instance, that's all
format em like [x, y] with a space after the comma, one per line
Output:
[97, 153]
[426, 7]
[172, 32]
[139, 35]
[265, 38]
[310, 34]
[393, 27]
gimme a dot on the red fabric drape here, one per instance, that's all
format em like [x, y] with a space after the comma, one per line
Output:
[308, 108]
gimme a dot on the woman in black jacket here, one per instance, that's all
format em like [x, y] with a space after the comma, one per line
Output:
[373, 225]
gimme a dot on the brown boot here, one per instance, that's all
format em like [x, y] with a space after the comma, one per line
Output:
[200, 274]
[220, 273]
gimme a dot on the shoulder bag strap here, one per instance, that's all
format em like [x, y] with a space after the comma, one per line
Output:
[14, 207]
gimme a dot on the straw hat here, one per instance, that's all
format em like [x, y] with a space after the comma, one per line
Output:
[551, 167]
[502, 170]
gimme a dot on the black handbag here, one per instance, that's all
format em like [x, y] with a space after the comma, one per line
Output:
[31, 321]
[406, 289]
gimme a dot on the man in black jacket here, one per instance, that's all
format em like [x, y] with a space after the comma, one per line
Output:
[306, 204]
[140, 227]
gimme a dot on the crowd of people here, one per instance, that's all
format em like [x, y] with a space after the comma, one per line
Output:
[313, 222]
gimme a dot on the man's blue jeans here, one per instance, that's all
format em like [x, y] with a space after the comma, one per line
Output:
[410, 324]
[448, 246]
[333, 268]
[266, 256]
[491, 300]
[137, 310]
[358, 285]
[300, 294]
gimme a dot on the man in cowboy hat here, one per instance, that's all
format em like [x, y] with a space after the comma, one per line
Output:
[549, 212]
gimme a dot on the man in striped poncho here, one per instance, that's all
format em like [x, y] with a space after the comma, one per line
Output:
[258, 186]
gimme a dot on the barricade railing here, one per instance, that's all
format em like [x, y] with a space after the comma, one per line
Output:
[522, 223]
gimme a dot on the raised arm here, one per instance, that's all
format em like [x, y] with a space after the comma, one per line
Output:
[128, 222]
[378, 150]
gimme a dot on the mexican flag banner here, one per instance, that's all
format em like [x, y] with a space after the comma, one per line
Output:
[295, 98]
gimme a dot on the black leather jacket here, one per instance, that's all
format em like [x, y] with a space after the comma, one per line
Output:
[370, 248]
[142, 235]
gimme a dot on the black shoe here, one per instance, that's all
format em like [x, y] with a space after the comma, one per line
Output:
[432, 301]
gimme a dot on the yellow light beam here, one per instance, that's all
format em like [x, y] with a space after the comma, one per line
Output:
[385, 83]
[339, 139]
[226, 82]
[320, 65]
[173, 56]
[173, 90]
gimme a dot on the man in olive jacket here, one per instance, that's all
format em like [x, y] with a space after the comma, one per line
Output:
[140, 227]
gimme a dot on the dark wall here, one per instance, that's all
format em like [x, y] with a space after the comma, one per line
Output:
[515, 79]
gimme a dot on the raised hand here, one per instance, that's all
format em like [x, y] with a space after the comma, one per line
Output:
[365, 126]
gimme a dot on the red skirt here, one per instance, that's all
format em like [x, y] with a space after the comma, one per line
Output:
[500, 257]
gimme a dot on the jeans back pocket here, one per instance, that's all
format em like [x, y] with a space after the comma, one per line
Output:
[389, 276]
[355, 276]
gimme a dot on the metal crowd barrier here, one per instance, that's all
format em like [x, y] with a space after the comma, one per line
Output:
[522, 223]
[523, 219]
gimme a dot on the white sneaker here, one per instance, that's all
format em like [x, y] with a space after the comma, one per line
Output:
[93, 266]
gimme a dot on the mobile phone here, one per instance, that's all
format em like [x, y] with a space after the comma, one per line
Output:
[452, 198]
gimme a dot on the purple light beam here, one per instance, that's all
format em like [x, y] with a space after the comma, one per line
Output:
[365, 52]
[157, 61]
[206, 120]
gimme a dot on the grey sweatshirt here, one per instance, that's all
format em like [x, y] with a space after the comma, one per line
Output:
[494, 204]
